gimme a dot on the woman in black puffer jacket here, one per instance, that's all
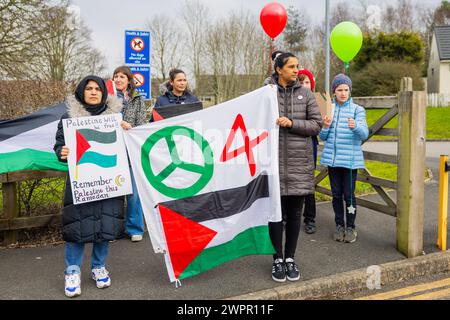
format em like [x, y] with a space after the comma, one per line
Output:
[299, 120]
[95, 222]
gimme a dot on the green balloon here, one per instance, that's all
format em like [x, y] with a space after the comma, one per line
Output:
[346, 40]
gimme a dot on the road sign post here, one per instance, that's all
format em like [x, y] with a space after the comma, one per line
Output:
[443, 203]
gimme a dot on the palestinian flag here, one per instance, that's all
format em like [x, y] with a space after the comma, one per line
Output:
[208, 217]
[27, 143]
[170, 111]
[83, 136]
[208, 182]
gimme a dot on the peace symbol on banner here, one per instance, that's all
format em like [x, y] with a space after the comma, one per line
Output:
[157, 180]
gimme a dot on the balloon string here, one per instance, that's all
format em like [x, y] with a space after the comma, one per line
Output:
[347, 65]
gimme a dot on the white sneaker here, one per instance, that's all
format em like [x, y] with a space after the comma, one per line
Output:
[101, 277]
[72, 286]
[136, 237]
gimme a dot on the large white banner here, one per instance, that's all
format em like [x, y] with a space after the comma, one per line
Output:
[98, 164]
[225, 147]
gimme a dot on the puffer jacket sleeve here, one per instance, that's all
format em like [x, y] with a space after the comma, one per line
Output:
[60, 141]
[312, 125]
[324, 134]
[361, 129]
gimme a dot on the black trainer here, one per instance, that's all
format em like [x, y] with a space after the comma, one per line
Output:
[279, 271]
[293, 274]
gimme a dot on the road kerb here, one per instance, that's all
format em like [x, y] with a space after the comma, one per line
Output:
[354, 281]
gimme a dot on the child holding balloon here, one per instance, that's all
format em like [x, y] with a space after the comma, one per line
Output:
[343, 134]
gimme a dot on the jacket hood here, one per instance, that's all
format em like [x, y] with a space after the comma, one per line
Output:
[75, 109]
[274, 80]
[163, 88]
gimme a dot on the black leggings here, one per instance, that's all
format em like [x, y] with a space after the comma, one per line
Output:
[291, 208]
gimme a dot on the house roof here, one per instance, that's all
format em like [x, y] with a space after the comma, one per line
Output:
[443, 41]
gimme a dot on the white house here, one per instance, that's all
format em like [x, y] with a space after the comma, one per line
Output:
[439, 65]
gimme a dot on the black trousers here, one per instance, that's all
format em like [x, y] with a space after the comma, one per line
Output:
[309, 214]
[343, 190]
[291, 208]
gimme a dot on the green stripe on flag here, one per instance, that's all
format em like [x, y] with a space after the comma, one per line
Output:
[98, 159]
[98, 136]
[29, 159]
[250, 242]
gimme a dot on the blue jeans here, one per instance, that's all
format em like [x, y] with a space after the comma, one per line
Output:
[134, 224]
[74, 256]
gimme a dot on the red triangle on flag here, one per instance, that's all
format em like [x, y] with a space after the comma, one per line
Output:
[82, 145]
[185, 238]
[157, 116]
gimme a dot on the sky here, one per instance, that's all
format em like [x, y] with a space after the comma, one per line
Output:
[108, 19]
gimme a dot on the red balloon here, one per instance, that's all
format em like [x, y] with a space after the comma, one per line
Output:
[273, 19]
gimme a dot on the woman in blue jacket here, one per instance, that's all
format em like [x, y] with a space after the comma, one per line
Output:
[175, 91]
[343, 134]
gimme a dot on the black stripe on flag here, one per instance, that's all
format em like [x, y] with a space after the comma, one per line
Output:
[173, 110]
[11, 128]
[221, 204]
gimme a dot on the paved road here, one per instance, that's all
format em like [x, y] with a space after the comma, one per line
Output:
[138, 273]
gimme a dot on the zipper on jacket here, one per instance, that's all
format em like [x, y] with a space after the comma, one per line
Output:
[285, 133]
[335, 135]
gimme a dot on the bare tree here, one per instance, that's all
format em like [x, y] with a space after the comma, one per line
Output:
[65, 52]
[40, 41]
[237, 55]
[196, 19]
[18, 33]
[340, 12]
[399, 17]
[166, 42]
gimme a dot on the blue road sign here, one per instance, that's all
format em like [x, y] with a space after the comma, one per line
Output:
[141, 77]
[137, 47]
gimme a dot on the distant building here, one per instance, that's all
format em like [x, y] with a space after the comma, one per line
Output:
[439, 64]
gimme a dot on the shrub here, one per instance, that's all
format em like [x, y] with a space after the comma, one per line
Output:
[382, 78]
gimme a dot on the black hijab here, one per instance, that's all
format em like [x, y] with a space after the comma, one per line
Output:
[79, 95]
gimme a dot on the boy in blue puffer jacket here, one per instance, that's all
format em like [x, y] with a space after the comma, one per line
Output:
[343, 134]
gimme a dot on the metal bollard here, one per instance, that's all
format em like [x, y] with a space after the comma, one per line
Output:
[443, 203]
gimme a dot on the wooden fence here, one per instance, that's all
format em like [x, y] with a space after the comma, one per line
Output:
[11, 223]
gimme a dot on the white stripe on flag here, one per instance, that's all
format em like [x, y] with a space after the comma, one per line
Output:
[42, 139]
[228, 228]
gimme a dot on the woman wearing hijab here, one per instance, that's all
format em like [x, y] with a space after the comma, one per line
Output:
[95, 222]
